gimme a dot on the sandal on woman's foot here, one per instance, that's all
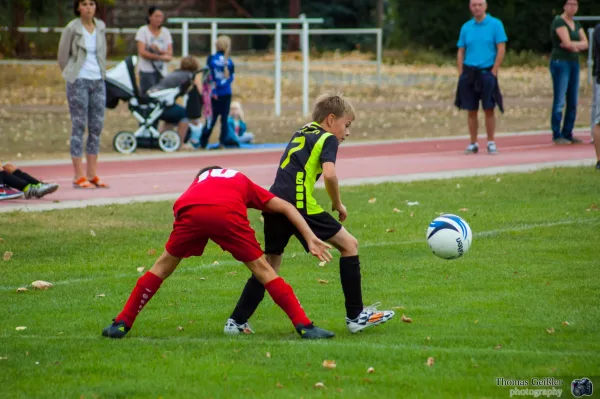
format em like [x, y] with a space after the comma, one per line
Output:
[82, 182]
[98, 183]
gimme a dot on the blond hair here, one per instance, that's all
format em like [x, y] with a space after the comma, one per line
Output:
[224, 45]
[236, 104]
[332, 102]
[189, 63]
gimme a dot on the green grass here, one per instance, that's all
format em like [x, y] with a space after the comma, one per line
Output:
[532, 266]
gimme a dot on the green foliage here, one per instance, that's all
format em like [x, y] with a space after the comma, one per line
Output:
[527, 23]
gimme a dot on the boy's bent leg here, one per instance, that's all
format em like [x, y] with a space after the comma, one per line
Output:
[144, 290]
[283, 295]
[358, 317]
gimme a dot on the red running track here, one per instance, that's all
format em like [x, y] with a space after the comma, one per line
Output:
[171, 174]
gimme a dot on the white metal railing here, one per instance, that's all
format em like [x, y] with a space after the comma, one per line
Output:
[304, 33]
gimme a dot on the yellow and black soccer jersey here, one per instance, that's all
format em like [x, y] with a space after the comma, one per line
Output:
[301, 166]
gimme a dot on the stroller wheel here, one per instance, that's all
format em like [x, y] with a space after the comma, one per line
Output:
[169, 141]
[125, 142]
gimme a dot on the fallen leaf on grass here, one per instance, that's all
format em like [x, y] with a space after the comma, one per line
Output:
[41, 285]
[92, 233]
[550, 330]
[498, 347]
[101, 295]
[322, 264]
[565, 323]
[140, 269]
[428, 338]
[406, 319]
[498, 180]
[430, 361]
[8, 255]
[372, 200]
[329, 364]
[320, 281]
[320, 385]
[21, 328]
[396, 210]
[151, 251]
[278, 385]
[268, 355]
[216, 263]
[464, 209]
[416, 203]
[202, 278]
[370, 370]
[390, 230]
[179, 328]
[412, 214]
[3, 358]
[21, 289]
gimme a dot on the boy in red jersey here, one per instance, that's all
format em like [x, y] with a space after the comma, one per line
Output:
[215, 207]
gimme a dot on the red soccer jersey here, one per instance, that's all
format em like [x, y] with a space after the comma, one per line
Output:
[225, 187]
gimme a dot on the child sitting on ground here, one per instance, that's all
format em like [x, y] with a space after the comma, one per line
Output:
[236, 124]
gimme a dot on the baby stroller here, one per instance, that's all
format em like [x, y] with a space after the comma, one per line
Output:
[121, 85]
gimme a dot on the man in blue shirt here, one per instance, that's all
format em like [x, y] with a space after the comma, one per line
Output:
[481, 49]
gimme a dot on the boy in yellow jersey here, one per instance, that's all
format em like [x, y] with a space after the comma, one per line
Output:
[312, 152]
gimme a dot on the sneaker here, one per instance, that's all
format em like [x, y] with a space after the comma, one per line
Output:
[40, 189]
[473, 148]
[561, 141]
[233, 328]
[369, 317]
[9, 193]
[313, 332]
[575, 140]
[118, 329]
[491, 147]
[598, 165]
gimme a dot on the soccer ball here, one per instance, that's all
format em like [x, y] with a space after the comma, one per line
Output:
[449, 236]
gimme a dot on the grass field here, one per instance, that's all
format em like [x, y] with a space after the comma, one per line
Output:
[498, 312]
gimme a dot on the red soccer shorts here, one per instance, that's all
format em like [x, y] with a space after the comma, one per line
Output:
[195, 225]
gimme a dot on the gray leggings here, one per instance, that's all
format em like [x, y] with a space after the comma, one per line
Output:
[87, 101]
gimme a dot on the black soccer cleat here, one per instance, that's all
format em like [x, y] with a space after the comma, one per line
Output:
[118, 329]
[313, 332]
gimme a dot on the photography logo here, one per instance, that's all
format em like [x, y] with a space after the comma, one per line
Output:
[582, 387]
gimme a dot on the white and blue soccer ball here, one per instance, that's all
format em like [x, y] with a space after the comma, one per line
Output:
[449, 236]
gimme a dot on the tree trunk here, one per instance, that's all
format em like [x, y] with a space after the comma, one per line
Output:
[294, 40]
[17, 19]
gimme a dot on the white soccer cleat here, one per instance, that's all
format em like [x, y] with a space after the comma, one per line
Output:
[369, 317]
[233, 328]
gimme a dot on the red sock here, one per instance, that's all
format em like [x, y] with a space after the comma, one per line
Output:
[144, 290]
[283, 295]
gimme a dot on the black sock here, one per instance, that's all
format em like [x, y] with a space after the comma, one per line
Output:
[13, 181]
[24, 176]
[351, 285]
[253, 294]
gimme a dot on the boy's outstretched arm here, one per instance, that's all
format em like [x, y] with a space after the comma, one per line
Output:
[333, 189]
[316, 247]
